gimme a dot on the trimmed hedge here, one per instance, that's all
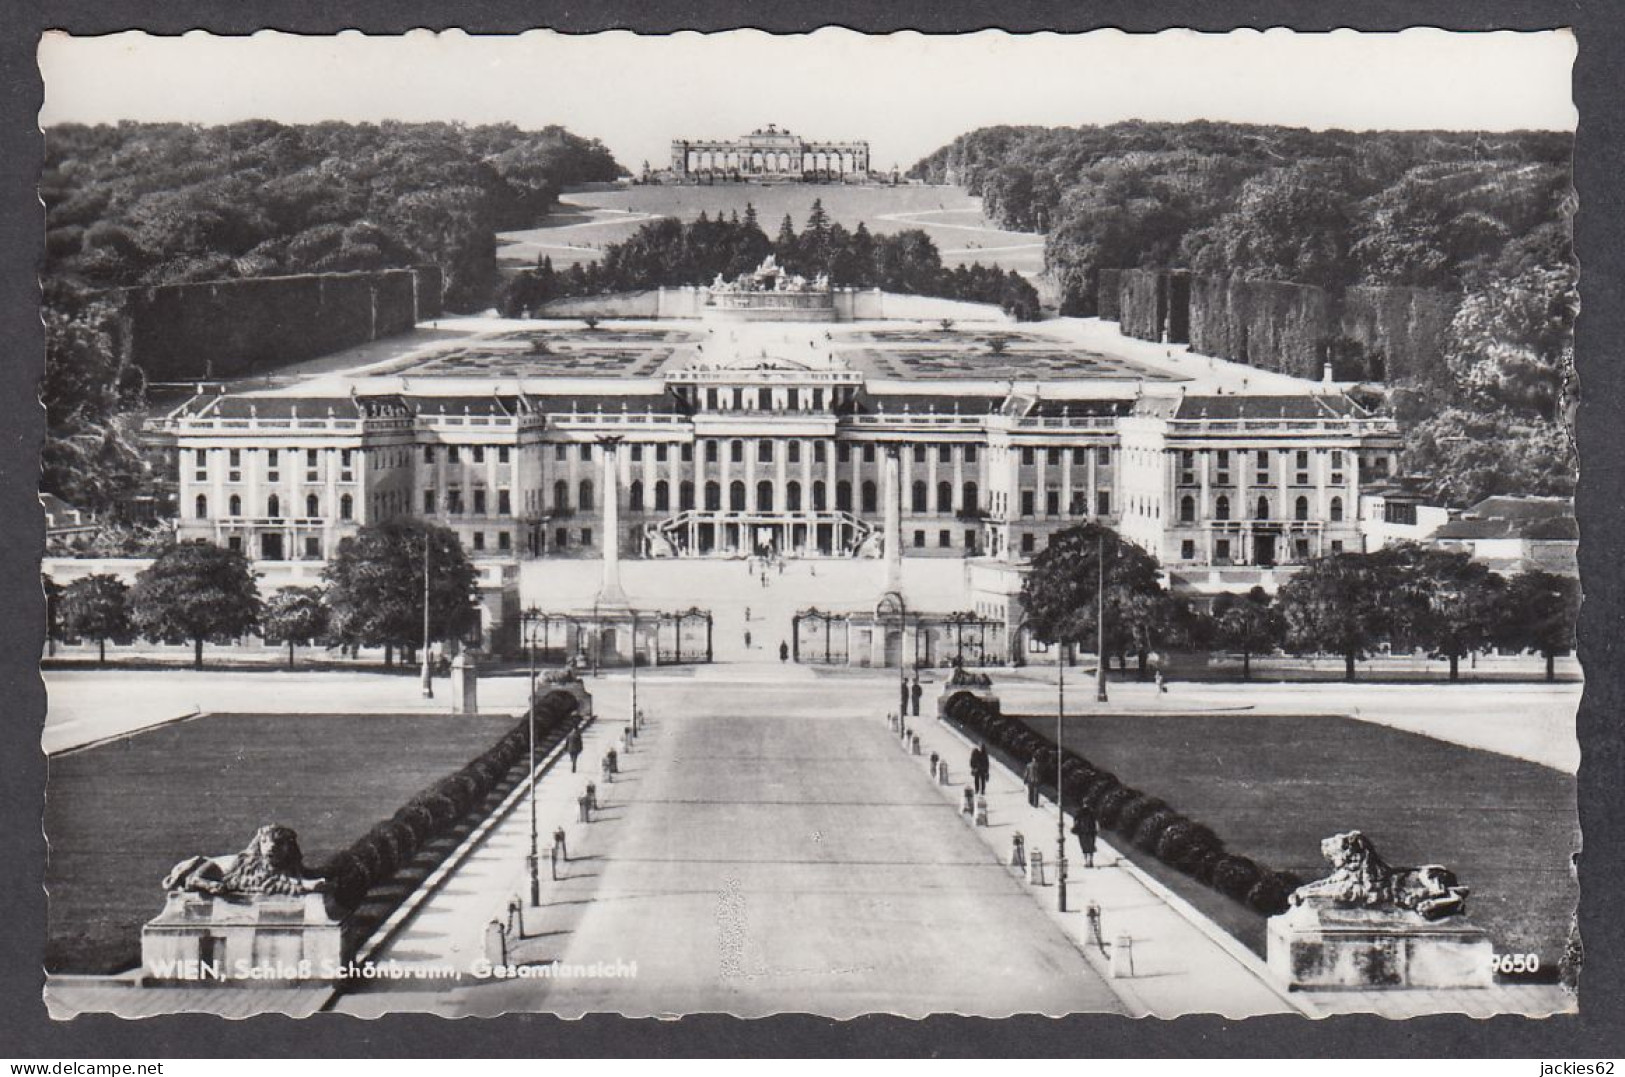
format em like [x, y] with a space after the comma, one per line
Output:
[391, 844]
[1146, 821]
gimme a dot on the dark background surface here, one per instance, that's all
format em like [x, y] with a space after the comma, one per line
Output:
[1598, 1031]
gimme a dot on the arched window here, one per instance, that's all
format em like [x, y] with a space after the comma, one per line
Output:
[685, 495]
[1221, 508]
[792, 497]
[736, 496]
[662, 496]
[273, 507]
[843, 496]
[561, 496]
[1263, 510]
[968, 498]
[1337, 510]
[584, 496]
[236, 504]
[736, 451]
[1187, 509]
[764, 496]
[346, 507]
[1300, 509]
[917, 500]
[945, 497]
[634, 496]
[202, 507]
[713, 496]
[313, 506]
[868, 497]
[818, 497]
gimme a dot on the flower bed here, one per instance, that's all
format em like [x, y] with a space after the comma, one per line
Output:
[1144, 820]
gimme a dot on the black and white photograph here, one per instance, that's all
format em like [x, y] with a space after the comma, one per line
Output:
[839, 524]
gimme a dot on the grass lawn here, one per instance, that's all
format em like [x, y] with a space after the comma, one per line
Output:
[950, 216]
[120, 815]
[1273, 787]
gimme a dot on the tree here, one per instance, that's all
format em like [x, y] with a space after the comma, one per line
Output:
[196, 591]
[1457, 607]
[1059, 593]
[1340, 604]
[1249, 624]
[53, 611]
[295, 615]
[96, 607]
[1538, 611]
[375, 586]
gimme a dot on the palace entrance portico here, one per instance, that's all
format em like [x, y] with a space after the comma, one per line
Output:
[701, 533]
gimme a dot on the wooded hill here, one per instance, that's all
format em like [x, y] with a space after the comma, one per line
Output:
[1439, 261]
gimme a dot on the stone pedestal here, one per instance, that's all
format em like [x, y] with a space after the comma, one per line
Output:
[1318, 946]
[465, 685]
[201, 938]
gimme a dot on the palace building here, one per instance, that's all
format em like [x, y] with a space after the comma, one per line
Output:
[919, 453]
[770, 154]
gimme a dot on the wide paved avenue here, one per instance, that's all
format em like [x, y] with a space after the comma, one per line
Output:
[770, 848]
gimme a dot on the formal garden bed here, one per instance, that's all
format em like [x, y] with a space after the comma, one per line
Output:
[1229, 810]
[377, 801]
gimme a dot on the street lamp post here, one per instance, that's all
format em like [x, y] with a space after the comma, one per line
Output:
[634, 673]
[428, 683]
[1060, 810]
[533, 862]
[1100, 617]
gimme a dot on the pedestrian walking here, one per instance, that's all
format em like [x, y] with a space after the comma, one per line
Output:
[914, 693]
[1162, 685]
[1029, 777]
[979, 768]
[747, 639]
[1085, 827]
[784, 651]
[572, 744]
[902, 709]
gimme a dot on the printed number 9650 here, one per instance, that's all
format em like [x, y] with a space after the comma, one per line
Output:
[1514, 964]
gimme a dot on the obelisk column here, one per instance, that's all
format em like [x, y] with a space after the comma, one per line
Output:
[893, 517]
[610, 592]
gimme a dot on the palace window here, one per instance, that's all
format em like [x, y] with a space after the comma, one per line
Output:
[793, 451]
[1103, 503]
[945, 497]
[662, 496]
[1300, 509]
[479, 540]
[346, 507]
[586, 453]
[504, 540]
[945, 454]
[504, 503]
[1262, 510]
[713, 496]
[686, 454]
[1027, 456]
[634, 497]
[1336, 510]
[869, 497]
[919, 454]
[1052, 502]
[479, 502]
[736, 451]
[917, 501]
[1027, 502]
[792, 497]
[584, 495]
[561, 452]
[1221, 551]
[1103, 455]
[1221, 509]
[685, 495]
[818, 497]
[586, 536]
[313, 507]
[764, 496]
[201, 507]
[818, 452]
[1187, 550]
[273, 507]
[1053, 457]
[1187, 509]
[970, 454]
[502, 454]
[710, 452]
[561, 496]
[428, 502]
[843, 496]
[764, 451]
[844, 453]
[1028, 543]
[736, 496]
[637, 454]
[868, 454]
[453, 455]
[479, 454]
[561, 539]
[236, 506]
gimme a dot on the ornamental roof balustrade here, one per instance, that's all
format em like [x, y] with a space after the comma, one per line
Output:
[1280, 426]
[904, 419]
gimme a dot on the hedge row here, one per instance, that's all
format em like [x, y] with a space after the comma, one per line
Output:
[1146, 821]
[378, 854]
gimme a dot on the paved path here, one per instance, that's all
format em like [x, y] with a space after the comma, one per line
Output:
[763, 854]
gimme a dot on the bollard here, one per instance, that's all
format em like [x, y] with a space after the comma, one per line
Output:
[914, 744]
[496, 943]
[967, 801]
[592, 796]
[614, 761]
[625, 741]
[891, 721]
[981, 810]
[553, 860]
[942, 773]
[1035, 868]
[1122, 956]
[560, 844]
[516, 917]
[935, 759]
[1018, 850]
[606, 770]
[584, 808]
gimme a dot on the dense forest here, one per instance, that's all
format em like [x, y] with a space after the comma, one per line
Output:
[140, 204]
[668, 252]
[1486, 217]
[135, 205]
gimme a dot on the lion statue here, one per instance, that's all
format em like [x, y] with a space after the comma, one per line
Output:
[272, 864]
[1361, 878]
